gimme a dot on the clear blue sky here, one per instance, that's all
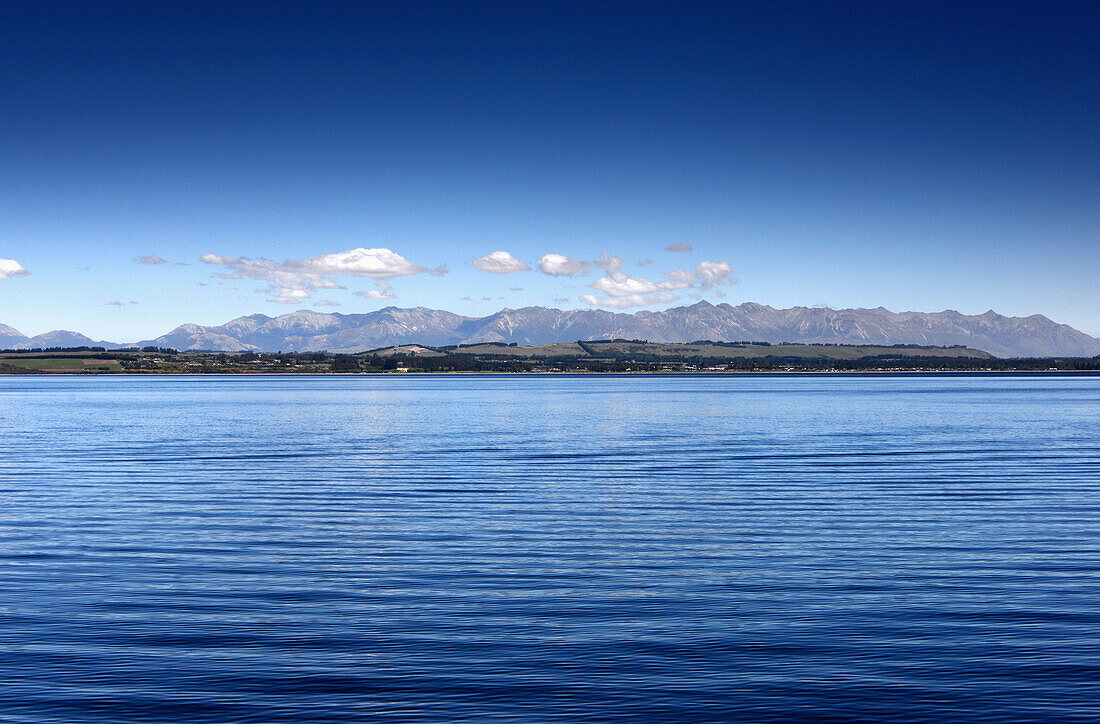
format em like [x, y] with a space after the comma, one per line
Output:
[915, 155]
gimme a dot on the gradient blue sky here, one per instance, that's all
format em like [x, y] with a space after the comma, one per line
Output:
[915, 155]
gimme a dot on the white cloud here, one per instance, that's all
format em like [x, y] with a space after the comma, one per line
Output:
[610, 263]
[645, 262]
[630, 300]
[370, 263]
[559, 265]
[294, 280]
[375, 294]
[283, 295]
[11, 268]
[621, 291]
[620, 285]
[681, 246]
[500, 262]
[326, 303]
[711, 273]
[288, 286]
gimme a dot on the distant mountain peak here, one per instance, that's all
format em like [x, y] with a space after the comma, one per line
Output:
[62, 338]
[310, 330]
[305, 329]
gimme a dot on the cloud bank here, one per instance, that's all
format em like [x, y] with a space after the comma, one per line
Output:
[621, 291]
[294, 280]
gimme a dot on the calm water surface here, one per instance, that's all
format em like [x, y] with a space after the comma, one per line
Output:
[326, 549]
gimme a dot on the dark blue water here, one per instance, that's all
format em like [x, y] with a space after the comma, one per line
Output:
[329, 549]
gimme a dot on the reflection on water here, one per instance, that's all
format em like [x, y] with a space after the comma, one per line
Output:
[729, 548]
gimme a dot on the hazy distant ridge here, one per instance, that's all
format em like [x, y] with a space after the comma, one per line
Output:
[12, 339]
[305, 330]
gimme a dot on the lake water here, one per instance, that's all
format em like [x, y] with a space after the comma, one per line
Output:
[536, 548]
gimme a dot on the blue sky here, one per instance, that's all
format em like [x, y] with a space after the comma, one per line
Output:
[915, 155]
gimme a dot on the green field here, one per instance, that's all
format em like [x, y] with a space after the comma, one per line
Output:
[710, 351]
[61, 364]
[557, 349]
[806, 351]
[414, 350]
[615, 356]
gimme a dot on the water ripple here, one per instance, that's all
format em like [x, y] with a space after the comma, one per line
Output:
[732, 548]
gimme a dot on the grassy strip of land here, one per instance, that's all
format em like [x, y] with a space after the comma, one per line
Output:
[585, 356]
[60, 364]
[637, 351]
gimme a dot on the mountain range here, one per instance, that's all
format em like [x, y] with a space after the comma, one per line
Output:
[305, 330]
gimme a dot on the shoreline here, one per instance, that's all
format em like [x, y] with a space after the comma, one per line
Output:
[571, 373]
